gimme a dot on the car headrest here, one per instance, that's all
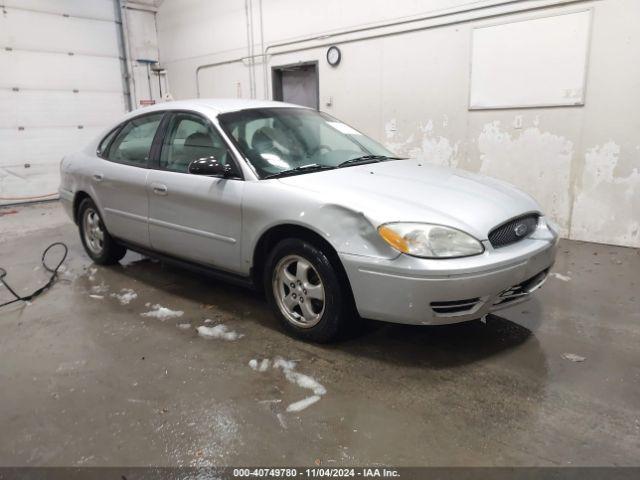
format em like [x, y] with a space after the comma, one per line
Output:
[261, 140]
[198, 139]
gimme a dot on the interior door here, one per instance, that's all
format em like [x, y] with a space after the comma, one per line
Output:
[195, 217]
[120, 179]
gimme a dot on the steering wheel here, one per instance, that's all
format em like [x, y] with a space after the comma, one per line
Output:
[320, 147]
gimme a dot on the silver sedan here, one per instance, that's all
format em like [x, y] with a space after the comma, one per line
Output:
[329, 223]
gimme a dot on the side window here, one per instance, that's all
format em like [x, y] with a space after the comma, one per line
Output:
[189, 137]
[104, 144]
[133, 142]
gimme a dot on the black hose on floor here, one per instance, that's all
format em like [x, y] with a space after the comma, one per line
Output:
[52, 279]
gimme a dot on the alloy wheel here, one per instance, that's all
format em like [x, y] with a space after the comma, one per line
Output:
[93, 231]
[298, 291]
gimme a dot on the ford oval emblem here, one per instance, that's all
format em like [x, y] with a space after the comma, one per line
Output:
[520, 229]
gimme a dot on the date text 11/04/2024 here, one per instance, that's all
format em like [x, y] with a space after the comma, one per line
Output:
[315, 473]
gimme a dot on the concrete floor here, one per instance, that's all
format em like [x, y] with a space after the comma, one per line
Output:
[89, 381]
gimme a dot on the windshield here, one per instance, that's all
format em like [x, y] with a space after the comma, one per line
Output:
[277, 140]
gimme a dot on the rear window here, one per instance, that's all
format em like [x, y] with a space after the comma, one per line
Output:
[104, 144]
[133, 142]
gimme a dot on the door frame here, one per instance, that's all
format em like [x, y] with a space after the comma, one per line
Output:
[276, 79]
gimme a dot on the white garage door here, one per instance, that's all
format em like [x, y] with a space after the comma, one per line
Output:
[61, 83]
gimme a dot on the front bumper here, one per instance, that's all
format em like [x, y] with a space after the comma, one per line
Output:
[429, 292]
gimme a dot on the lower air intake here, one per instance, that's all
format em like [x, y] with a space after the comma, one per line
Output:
[455, 307]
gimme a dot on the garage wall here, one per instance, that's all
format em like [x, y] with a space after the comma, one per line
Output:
[61, 83]
[405, 80]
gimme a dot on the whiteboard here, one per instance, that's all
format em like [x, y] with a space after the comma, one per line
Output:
[530, 63]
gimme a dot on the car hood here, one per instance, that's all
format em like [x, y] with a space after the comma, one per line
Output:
[415, 191]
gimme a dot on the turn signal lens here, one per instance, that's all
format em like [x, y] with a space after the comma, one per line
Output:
[394, 239]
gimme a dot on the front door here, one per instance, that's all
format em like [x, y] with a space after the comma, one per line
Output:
[194, 217]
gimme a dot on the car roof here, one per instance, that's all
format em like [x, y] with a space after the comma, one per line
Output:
[215, 105]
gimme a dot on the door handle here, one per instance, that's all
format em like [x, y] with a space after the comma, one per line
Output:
[98, 177]
[159, 188]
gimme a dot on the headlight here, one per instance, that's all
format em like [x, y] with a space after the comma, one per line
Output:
[429, 241]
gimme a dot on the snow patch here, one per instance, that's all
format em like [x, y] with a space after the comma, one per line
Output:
[219, 331]
[559, 276]
[162, 313]
[184, 326]
[98, 289]
[280, 418]
[125, 296]
[92, 273]
[287, 367]
[72, 365]
[97, 297]
[262, 366]
[573, 357]
[302, 404]
[280, 362]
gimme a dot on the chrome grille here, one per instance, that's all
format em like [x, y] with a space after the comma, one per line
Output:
[513, 231]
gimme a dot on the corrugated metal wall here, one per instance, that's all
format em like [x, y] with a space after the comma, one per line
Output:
[61, 83]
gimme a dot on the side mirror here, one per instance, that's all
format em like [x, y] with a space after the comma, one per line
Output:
[209, 166]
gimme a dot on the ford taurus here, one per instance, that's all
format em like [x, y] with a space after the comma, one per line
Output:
[329, 223]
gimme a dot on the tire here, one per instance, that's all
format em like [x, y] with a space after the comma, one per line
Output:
[307, 292]
[99, 245]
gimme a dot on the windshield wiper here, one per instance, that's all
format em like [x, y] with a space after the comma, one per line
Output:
[367, 159]
[312, 167]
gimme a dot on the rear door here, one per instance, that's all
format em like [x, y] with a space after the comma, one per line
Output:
[195, 217]
[120, 179]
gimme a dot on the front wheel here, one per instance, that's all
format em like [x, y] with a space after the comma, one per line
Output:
[97, 242]
[306, 292]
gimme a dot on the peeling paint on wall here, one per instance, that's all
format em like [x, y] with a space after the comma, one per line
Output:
[439, 151]
[535, 161]
[539, 162]
[607, 206]
[424, 144]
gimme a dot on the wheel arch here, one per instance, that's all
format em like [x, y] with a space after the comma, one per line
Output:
[77, 200]
[275, 234]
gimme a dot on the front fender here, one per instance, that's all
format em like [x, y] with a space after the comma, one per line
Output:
[268, 204]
